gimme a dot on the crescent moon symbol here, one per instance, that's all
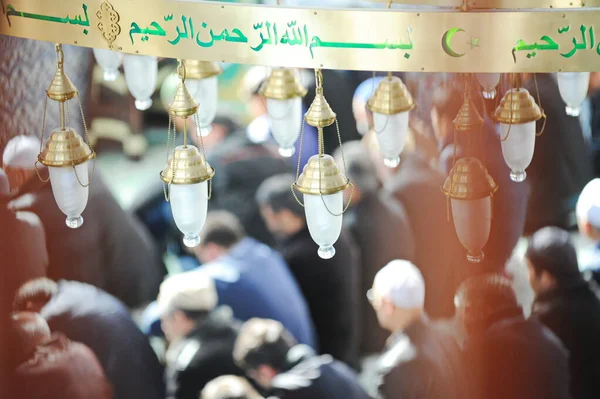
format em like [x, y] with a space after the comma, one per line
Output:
[447, 42]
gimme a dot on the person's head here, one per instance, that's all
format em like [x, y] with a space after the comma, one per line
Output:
[588, 210]
[34, 295]
[262, 348]
[31, 330]
[551, 259]
[221, 232]
[229, 387]
[361, 169]
[482, 300]
[447, 101]
[280, 210]
[397, 295]
[18, 160]
[184, 301]
[362, 114]
[224, 125]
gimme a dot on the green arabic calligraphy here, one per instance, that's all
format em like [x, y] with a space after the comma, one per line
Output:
[78, 20]
[157, 31]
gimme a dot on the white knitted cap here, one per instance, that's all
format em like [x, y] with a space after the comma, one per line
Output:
[588, 205]
[402, 283]
[193, 291]
[21, 152]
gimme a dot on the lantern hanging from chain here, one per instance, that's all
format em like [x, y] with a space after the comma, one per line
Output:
[65, 153]
[283, 92]
[321, 182]
[573, 88]
[390, 104]
[202, 82]
[141, 72]
[488, 83]
[517, 114]
[187, 174]
[109, 61]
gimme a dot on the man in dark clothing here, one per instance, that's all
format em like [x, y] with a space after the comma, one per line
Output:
[380, 227]
[93, 317]
[568, 305]
[420, 361]
[201, 336]
[506, 355]
[329, 286]
[272, 358]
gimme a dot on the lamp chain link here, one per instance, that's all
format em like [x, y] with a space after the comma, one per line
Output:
[167, 161]
[201, 141]
[298, 167]
[42, 141]
[537, 89]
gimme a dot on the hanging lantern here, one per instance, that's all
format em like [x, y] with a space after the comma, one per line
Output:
[470, 188]
[141, 74]
[517, 114]
[468, 118]
[391, 103]
[573, 87]
[65, 153]
[284, 95]
[202, 82]
[321, 182]
[110, 61]
[186, 172]
[488, 82]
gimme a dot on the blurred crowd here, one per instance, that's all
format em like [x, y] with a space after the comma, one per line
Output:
[254, 312]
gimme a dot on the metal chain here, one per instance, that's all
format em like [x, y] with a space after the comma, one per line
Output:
[511, 111]
[197, 119]
[540, 104]
[167, 161]
[298, 168]
[42, 142]
[66, 104]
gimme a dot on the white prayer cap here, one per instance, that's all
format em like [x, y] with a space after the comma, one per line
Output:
[193, 291]
[402, 283]
[588, 205]
[4, 186]
[21, 152]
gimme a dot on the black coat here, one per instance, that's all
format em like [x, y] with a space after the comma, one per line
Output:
[331, 291]
[381, 229]
[205, 354]
[572, 312]
[518, 359]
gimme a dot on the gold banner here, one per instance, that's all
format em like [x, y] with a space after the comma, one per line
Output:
[378, 40]
[499, 4]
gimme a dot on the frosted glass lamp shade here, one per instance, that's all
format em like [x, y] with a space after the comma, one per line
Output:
[518, 148]
[573, 87]
[109, 61]
[206, 93]
[285, 118]
[71, 197]
[189, 203]
[472, 221]
[324, 227]
[488, 82]
[141, 73]
[391, 133]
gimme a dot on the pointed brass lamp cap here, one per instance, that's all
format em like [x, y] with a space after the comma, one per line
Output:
[183, 104]
[391, 97]
[282, 84]
[468, 117]
[186, 166]
[320, 113]
[469, 180]
[321, 169]
[61, 88]
[197, 70]
[517, 107]
[65, 148]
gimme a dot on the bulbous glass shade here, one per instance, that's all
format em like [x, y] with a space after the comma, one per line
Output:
[488, 82]
[110, 61]
[573, 87]
[189, 203]
[472, 221]
[206, 93]
[141, 74]
[285, 117]
[391, 133]
[71, 197]
[324, 227]
[518, 148]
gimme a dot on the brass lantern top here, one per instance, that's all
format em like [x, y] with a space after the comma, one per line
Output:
[517, 107]
[61, 88]
[391, 97]
[183, 104]
[197, 70]
[468, 117]
[321, 176]
[320, 113]
[186, 166]
[282, 84]
[65, 148]
[469, 180]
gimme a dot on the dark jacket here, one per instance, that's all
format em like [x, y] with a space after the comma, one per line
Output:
[381, 229]
[89, 315]
[111, 250]
[205, 354]
[312, 377]
[518, 359]
[421, 363]
[572, 312]
[331, 291]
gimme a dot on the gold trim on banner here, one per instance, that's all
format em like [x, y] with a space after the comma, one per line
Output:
[498, 4]
[358, 39]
